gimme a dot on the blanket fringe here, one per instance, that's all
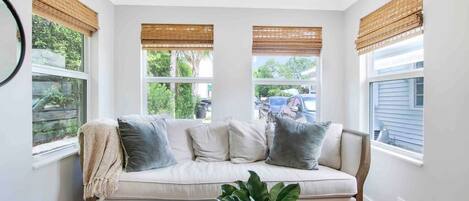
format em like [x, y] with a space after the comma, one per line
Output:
[100, 188]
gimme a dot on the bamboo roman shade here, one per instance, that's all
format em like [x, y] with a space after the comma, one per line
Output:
[70, 13]
[286, 40]
[393, 22]
[177, 36]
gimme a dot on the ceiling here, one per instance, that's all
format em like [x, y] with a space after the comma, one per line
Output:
[275, 4]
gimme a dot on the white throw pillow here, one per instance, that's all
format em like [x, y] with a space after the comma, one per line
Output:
[248, 142]
[179, 138]
[210, 142]
[330, 152]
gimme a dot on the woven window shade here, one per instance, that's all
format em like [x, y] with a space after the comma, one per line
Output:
[70, 13]
[396, 21]
[177, 36]
[274, 40]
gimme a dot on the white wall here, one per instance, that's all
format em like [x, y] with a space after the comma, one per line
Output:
[233, 88]
[8, 54]
[61, 180]
[445, 171]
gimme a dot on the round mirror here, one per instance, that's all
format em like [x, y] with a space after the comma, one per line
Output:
[12, 42]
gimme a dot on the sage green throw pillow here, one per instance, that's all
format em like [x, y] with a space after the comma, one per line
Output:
[297, 144]
[145, 142]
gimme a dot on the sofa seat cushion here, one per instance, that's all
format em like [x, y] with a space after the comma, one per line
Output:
[192, 180]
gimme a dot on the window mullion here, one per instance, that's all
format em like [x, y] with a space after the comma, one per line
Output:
[284, 82]
[397, 76]
[179, 79]
[37, 68]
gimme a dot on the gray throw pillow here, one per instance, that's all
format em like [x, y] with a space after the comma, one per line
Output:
[145, 142]
[297, 144]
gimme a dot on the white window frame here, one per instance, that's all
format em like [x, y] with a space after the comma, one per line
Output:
[60, 149]
[176, 80]
[371, 77]
[314, 82]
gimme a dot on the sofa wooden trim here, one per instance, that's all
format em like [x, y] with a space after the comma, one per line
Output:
[365, 162]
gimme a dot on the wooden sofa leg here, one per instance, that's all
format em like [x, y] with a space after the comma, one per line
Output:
[359, 196]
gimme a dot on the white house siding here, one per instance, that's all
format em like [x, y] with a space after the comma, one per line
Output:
[395, 112]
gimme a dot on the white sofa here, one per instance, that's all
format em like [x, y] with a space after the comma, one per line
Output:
[190, 180]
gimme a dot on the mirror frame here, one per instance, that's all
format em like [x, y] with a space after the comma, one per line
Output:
[22, 40]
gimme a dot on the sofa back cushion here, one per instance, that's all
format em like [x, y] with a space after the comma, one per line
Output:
[330, 153]
[179, 138]
[248, 142]
[210, 142]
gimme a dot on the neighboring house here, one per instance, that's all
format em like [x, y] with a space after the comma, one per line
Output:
[399, 111]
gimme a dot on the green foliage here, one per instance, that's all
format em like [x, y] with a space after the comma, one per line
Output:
[181, 102]
[56, 97]
[268, 70]
[256, 190]
[160, 99]
[159, 63]
[294, 68]
[59, 39]
[185, 101]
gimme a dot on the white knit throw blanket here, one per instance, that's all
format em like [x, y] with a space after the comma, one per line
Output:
[101, 158]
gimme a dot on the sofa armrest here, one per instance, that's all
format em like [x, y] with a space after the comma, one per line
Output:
[355, 151]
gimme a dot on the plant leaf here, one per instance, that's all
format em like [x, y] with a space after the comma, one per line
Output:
[275, 190]
[241, 195]
[257, 189]
[289, 193]
[242, 186]
[226, 190]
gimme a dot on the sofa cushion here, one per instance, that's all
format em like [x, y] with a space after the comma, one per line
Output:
[210, 142]
[192, 180]
[330, 152]
[297, 144]
[248, 142]
[145, 142]
[179, 138]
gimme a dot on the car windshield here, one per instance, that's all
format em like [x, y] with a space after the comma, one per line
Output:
[310, 103]
[278, 101]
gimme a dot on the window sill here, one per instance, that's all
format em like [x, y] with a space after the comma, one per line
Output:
[55, 154]
[401, 154]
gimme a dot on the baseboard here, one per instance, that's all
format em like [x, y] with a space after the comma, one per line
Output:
[366, 198]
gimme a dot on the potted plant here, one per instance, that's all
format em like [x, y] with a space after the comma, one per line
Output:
[256, 190]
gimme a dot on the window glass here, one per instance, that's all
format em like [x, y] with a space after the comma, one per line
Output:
[56, 46]
[190, 63]
[58, 85]
[295, 101]
[58, 106]
[394, 120]
[181, 100]
[396, 102]
[400, 57]
[285, 67]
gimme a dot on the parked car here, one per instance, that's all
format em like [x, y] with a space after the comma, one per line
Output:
[272, 106]
[301, 107]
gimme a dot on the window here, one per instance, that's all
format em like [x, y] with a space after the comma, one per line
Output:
[285, 70]
[418, 93]
[178, 83]
[285, 85]
[59, 84]
[395, 76]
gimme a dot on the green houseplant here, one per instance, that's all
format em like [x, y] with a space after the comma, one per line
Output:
[256, 190]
